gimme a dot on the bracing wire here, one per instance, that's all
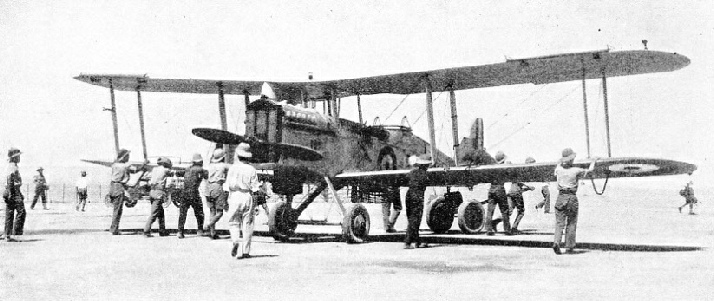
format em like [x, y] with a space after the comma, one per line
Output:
[397, 107]
[529, 122]
[422, 113]
[520, 103]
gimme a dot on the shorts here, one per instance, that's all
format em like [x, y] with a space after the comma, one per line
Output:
[219, 202]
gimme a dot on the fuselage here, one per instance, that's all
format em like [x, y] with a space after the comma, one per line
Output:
[344, 144]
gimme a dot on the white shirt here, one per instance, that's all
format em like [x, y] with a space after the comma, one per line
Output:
[243, 177]
[82, 183]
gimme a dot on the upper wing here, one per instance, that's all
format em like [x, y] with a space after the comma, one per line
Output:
[536, 172]
[537, 70]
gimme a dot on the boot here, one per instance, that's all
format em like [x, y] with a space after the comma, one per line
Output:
[180, 234]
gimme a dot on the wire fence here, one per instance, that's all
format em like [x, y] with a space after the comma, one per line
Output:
[66, 193]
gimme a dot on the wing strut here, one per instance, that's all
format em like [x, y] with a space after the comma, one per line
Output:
[585, 107]
[454, 125]
[430, 118]
[115, 123]
[607, 177]
[224, 121]
[607, 113]
[141, 120]
[359, 108]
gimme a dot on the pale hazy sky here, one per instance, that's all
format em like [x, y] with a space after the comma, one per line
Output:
[55, 119]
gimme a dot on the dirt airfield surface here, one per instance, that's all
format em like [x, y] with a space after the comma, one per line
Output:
[68, 255]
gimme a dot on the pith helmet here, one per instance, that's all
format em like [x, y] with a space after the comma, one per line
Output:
[164, 161]
[243, 150]
[218, 155]
[123, 153]
[13, 152]
[568, 155]
[197, 158]
[412, 160]
[500, 157]
[530, 160]
[423, 160]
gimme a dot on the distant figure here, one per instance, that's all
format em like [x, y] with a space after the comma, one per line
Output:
[81, 186]
[418, 180]
[13, 196]
[689, 199]
[242, 180]
[120, 178]
[190, 196]
[516, 195]
[566, 205]
[497, 196]
[40, 189]
[158, 196]
[217, 197]
[545, 203]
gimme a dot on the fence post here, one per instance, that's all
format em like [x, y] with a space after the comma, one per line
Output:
[100, 191]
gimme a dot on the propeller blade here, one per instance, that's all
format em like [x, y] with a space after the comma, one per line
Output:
[218, 136]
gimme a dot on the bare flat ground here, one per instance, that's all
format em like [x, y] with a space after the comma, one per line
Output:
[631, 251]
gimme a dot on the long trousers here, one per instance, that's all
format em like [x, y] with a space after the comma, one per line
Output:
[240, 219]
[415, 209]
[566, 216]
[81, 200]
[197, 206]
[118, 202]
[519, 205]
[14, 224]
[502, 203]
[39, 194]
[157, 212]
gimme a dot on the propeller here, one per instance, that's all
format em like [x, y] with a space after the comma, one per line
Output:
[286, 150]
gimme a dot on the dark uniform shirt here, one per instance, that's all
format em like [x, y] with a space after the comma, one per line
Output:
[40, 182]
[13, 183]
[418, 180]
[192, 180]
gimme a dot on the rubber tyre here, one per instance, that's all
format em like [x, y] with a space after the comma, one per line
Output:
[282, 221]
[355, 224]
[439, 215]
[471, 217]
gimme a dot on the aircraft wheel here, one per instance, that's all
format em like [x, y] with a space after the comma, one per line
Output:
[355, 224]
[282, 221]
[471, 217]
[439, 215]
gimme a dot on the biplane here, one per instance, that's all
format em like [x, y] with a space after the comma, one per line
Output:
[298, 144]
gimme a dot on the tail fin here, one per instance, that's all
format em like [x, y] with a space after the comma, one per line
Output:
[471, 150]
[477, 134]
